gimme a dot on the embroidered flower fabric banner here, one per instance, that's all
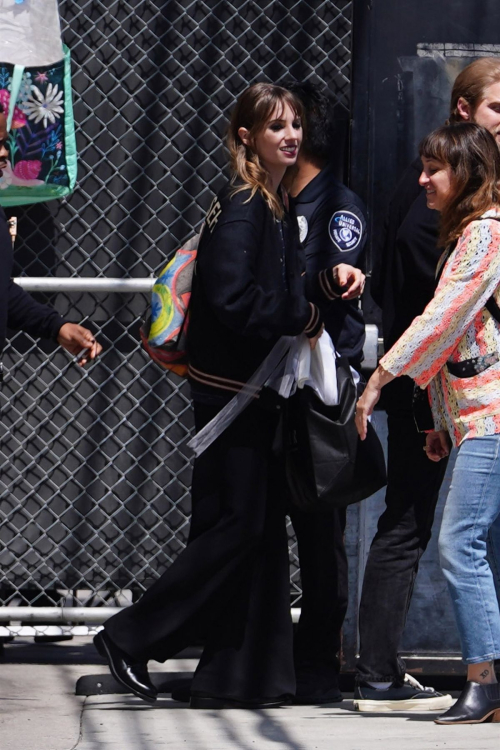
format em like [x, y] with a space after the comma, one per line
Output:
[35, 93]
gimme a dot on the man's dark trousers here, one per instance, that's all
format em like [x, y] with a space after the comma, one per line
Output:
[324, 574]
[404, 530]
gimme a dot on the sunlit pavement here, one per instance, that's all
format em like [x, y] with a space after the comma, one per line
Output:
[40, 711]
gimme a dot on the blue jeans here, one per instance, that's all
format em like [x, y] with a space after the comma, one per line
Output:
[469, 547]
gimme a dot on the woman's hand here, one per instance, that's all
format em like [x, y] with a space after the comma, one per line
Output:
[437, 445]
[370, 397]
[365, 407]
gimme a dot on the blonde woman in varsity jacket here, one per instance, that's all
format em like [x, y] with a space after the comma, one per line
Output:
[230, 587]
[453, 350]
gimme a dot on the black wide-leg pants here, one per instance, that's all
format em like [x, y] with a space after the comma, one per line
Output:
[230, 586]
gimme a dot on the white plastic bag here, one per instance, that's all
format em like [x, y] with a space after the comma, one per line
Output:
[31, 32]
[304, 366]
[317, 369]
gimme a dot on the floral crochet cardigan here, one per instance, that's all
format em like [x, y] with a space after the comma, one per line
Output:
[455, 326]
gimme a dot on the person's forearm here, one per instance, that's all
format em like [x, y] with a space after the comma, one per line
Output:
[369, 398]
[381, 377]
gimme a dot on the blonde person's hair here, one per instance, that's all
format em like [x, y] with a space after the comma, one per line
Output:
[473, 156]
[471, 84]
[253, 110]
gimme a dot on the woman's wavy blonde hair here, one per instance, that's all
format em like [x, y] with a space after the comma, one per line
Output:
[474, 158]
[253, 110]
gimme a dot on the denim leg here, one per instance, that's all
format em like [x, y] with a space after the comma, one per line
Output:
[471, 515]
[494, 553]
[403, 532]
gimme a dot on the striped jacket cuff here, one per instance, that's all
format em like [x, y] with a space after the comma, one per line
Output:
[315, 322]
[328, 285]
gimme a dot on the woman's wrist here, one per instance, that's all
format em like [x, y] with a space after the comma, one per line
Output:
[380, 378]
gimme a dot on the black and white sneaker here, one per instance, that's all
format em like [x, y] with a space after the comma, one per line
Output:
[411, 696]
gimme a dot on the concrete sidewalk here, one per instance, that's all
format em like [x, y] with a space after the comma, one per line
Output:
[40, 711]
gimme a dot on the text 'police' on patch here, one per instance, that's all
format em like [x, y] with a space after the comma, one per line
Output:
[345, 230]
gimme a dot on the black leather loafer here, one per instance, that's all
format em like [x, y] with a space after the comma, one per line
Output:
[212, 702]
[476, 703]
[132, 675]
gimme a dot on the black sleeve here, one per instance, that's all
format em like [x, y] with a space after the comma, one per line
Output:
[407, 191]
[227, 265]
[334, 237]
[24, 313]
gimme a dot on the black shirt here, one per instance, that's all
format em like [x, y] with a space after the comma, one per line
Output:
[332, 224]
[403, 280]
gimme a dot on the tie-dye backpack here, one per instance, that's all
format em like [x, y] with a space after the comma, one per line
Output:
[164, 333]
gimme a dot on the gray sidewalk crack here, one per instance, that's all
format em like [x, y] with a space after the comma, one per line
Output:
[80, 734]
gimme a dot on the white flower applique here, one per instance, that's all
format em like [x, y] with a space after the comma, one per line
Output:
[48, 107]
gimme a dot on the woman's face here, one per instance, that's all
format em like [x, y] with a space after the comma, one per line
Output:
[277, 144]
[436, 178]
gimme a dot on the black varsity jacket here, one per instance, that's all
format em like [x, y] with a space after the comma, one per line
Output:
[248, 290]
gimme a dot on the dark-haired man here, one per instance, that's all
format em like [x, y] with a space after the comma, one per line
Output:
[332, 227]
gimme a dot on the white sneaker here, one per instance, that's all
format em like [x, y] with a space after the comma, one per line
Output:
[411, 696]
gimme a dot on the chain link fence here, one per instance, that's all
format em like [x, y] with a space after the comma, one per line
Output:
[94, 468]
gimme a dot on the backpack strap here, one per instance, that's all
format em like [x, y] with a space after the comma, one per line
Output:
[493, 309]
[468, 368]
[492, 305]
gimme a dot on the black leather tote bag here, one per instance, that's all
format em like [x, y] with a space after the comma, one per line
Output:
[326, 463]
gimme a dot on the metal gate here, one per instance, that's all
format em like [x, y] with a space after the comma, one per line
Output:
[94, 468]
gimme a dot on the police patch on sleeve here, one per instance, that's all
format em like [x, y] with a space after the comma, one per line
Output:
[346, 230]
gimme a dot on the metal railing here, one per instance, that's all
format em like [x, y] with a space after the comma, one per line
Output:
[97, 285]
